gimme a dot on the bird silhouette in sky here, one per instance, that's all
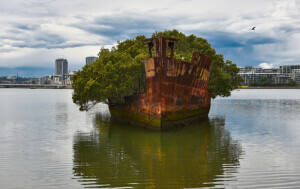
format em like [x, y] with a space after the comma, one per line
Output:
[253, 28]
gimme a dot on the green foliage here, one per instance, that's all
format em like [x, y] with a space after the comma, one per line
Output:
[267, 82]
[117, 73]
[263, 81]
[120, 72]
[292, 83]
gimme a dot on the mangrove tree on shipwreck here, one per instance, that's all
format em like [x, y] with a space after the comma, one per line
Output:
[120, 71]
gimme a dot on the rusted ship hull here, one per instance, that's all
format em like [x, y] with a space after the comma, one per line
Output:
[159, 122]
[176, 92]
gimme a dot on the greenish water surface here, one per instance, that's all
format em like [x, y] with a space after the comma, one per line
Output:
[251, 140]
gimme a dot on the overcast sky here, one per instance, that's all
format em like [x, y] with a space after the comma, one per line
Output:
[35, 32]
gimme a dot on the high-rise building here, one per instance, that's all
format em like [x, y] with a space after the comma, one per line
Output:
[90, 59]
[61, 66]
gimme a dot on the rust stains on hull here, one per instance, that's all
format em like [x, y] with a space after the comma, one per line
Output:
[176, 90]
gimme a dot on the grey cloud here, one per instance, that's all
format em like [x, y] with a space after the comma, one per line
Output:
[29, 8]
[31, 36]
[42, 40]
[22, 29]
[262, 40]
[27, 27]
[222, 39]
[120, 26]
[5, 50]
[287, 28]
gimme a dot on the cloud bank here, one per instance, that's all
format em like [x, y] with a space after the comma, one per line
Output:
[35, 33]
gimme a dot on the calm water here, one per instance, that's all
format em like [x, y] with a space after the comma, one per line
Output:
[251, 140]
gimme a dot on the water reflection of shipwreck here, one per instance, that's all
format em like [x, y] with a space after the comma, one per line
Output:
[176, 90]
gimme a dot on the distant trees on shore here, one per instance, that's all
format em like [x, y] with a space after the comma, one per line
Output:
[267, 82]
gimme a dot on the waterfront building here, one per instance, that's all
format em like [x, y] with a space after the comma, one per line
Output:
[67, 78]
[282, 78]
[283, 74]
[61, 66]
[57, 79]
[269, 70]
[45, 80]
[288, 69]
[89, 60]
[255, 77]
[72, 72]
[62, 75]
[246, 69]
[296, 75]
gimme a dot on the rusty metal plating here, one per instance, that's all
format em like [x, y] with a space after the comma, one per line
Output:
[172, 85]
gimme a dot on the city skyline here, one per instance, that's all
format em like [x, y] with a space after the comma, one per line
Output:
[35, 33]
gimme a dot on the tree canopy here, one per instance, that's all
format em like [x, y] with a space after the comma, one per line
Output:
[120, 72]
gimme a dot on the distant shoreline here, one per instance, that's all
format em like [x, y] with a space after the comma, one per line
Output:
[34, 86]
[39, 86]
[270, 87]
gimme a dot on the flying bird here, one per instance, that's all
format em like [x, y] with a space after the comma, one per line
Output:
[253, 28]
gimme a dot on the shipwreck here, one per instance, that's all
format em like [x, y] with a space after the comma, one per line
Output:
[176, 90]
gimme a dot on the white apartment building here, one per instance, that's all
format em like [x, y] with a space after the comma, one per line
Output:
[283, 74]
